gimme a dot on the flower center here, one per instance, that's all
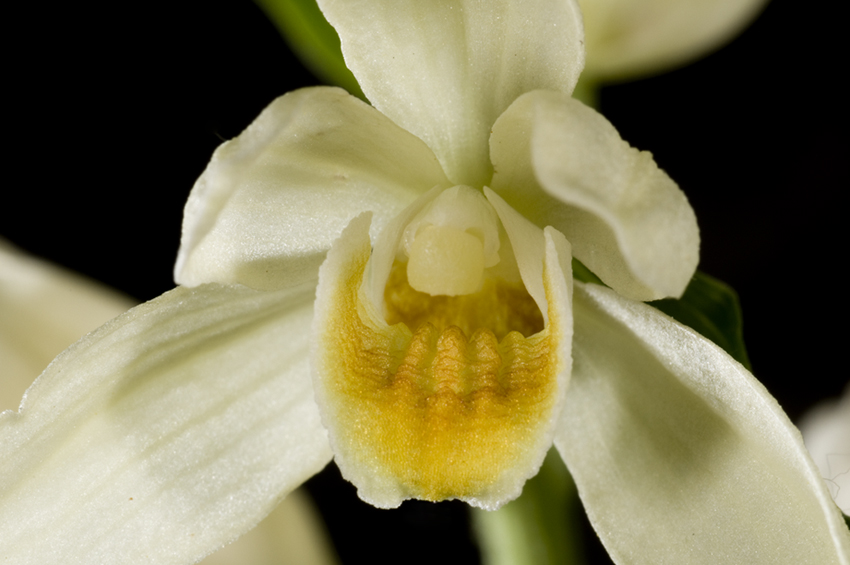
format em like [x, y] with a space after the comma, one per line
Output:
[446, 260]
[448, 271]
[451, 242]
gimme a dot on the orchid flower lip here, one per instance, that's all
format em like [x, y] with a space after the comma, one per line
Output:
[450, 362]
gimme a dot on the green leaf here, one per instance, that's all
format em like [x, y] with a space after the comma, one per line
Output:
[538, 527]
[582, 273]
[312, 39]
[710, 307]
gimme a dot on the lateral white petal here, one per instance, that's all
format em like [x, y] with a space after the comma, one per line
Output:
[43, 310]
[680, 455]
[563, 164]
[626, 38]
[164, 434]
[446, 70]
[272, 200]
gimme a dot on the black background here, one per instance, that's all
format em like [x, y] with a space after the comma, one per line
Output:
[112, 111]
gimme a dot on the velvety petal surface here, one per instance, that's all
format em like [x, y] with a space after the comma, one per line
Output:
[272, 200]
[679, 454]
[630, 37]
[561, 163]
[164, 434]
[446, 70]
[43, 310]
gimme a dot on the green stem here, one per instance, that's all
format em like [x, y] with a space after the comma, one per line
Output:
[539, 527]
[312, 38]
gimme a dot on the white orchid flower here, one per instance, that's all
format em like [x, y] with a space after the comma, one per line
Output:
[627, 38]
[457, 200]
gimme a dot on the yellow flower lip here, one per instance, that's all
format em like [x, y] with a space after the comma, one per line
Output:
[436, 397]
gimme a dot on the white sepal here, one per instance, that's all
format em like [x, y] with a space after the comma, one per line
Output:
[164, 434]
[446, 70]
[680, 455]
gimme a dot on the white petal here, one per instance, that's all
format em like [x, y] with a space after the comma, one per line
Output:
[43, 310]
[166, 433]
[527, 242]
[291, 535]
[446, 70]
[271, 201]
[562, 164]
[626, 37]
[679, 454]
